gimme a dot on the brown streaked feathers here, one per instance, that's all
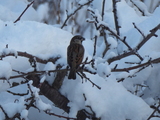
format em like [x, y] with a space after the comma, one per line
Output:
[75, 53]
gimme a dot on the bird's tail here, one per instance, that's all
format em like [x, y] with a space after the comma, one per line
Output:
[72, 74]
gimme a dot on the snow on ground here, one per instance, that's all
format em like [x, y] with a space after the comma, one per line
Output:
[112, 101]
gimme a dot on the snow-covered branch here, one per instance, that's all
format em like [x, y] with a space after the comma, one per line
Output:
[26, 55]
[132, 52]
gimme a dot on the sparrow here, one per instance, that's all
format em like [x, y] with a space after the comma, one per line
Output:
[75, 53]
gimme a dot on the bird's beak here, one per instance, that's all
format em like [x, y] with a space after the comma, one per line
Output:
[83, 39]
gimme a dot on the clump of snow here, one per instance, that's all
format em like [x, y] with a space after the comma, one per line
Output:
[42, 106]
[43, 78]
[49, 66]
[6, 70]
[103, 69]
[12, 108]
[112, 42]
[7, 51]
[49, 76]
[24, 114]
[42, 11]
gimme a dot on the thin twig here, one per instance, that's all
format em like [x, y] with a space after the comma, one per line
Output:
[152, 115]
[23, 12]
[68, 118]
[84, 76]
[115, 16]
[6, 116]
[150, 62]
[138, 29]
[95, 44]
[106, 43]
[152, 33]
[143, 14]
[68, 16]
[19, 94]
[103, 9]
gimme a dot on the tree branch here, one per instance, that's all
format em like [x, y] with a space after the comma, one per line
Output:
[157, 60]
[103, 9]
[68, 16]
[153, 31]
[138, 29]
[115, 16]
[27, 55]
[23, 12]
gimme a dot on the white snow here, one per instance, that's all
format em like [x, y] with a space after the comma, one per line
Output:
[113, 101]
[11, 10]
[6, 70]
[103, 70]
[42, 11]
[112, 42]
[43, 79]
[24, 114]
[11, 108]
[42, 106]
[7, 51]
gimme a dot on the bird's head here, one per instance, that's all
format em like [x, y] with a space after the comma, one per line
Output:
[77, 39]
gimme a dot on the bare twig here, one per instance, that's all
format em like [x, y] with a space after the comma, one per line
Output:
[103, 9]
[6, 116]
[115, 16]
[95, 44]
[138, 30]
[19, 94]
[68, 118]
[84, 76]
[23, 12]
[143, 14]
[152, 115]
[150, 62]
[106, 43]
[152, 33]
[68, 16]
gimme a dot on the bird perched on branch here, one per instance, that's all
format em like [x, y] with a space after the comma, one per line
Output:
[75, 53]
